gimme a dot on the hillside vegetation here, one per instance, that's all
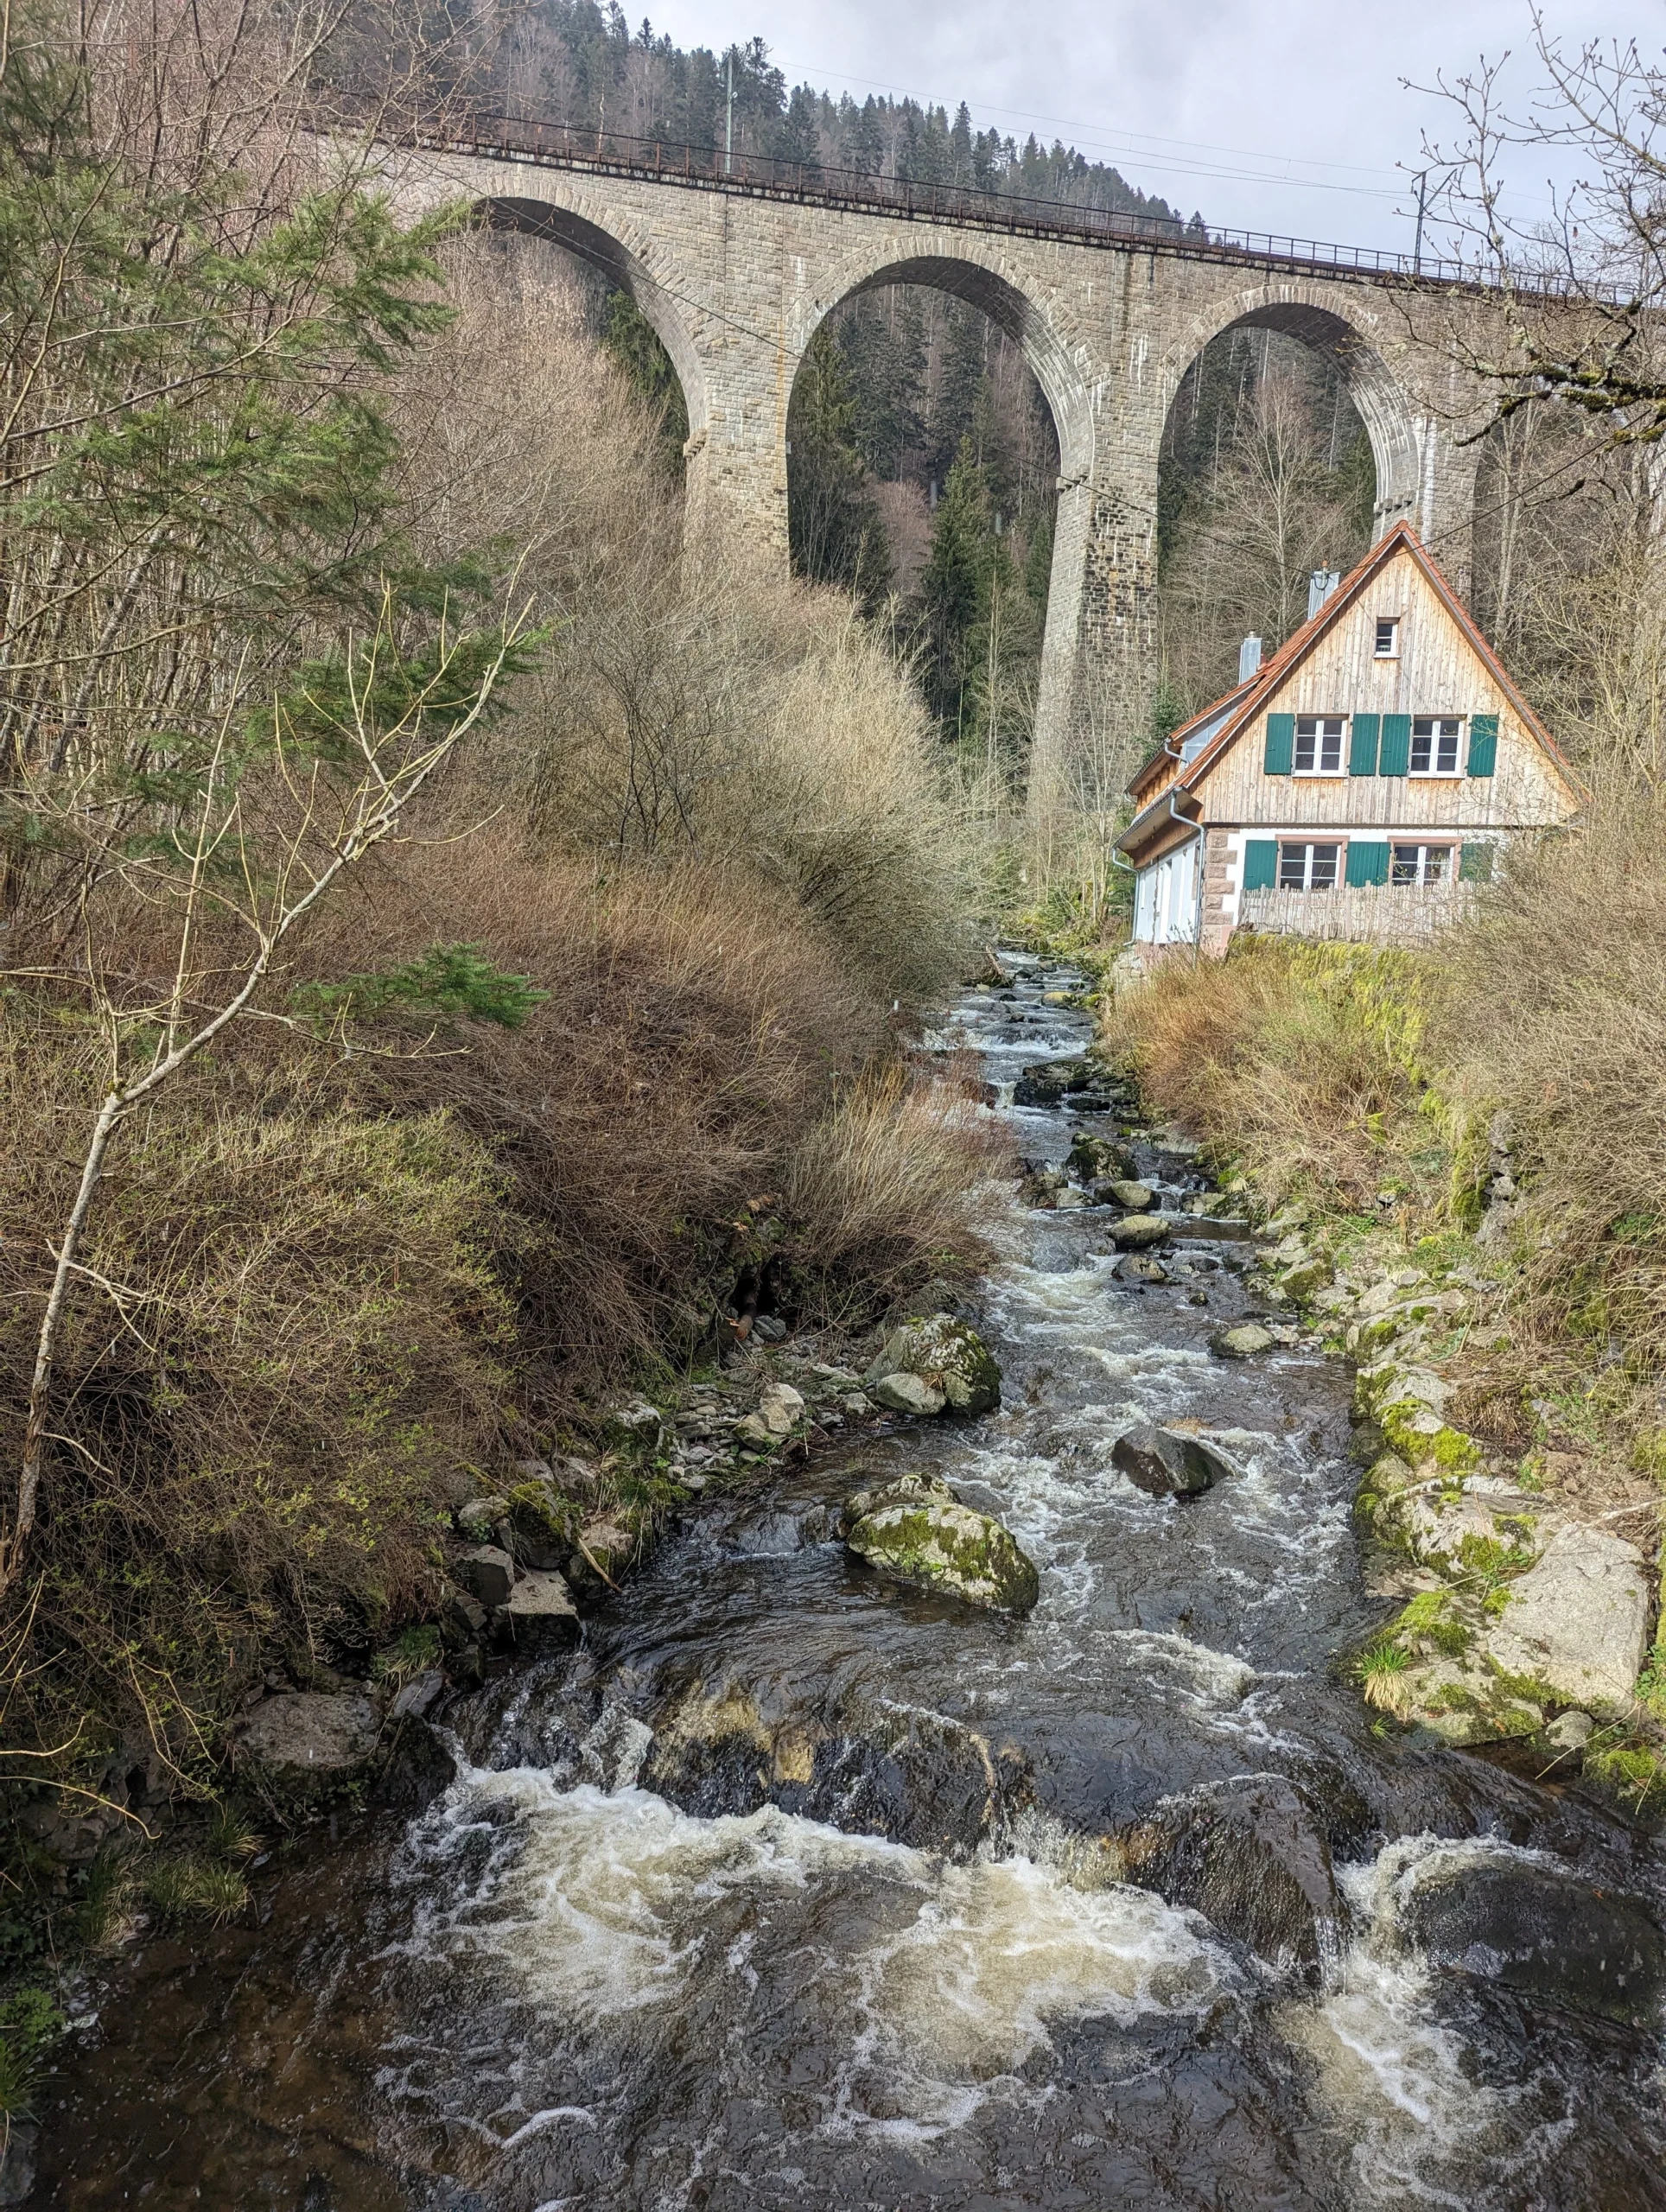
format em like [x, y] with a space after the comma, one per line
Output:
[444, 927]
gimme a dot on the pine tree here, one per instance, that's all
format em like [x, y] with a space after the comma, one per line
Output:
[833, 525]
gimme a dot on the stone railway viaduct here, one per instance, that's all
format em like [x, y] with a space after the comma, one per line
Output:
[734, 274]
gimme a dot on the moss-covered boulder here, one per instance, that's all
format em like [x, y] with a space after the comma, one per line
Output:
[947, 1354]
[904, 1489]
[937, 1543]
[541, 1524]
[1093, 1159]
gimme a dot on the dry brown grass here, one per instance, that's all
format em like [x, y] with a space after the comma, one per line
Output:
[886, 1183]
[322, 1291]
[707, 709]
[1299, 1060]
[1555, 1016]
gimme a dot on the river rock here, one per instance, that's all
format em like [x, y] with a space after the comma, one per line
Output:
[1094, 1159]
[488, 1574]
[939, 1544]
[1044, 1083]
[1547, 1935]
[1250, 1854]
[1577, 1619]
[1137, 1232]
[1133, 1197]
[1041, 1187]
[1165, 1463]
[480, 1517]
[902, 1489]
[908, 1393]
[540, 1615]
[780, 1408]
[1141, 1266]
[310, 1735]
[947, 1354]
[1242, 1341]
[540, 1525]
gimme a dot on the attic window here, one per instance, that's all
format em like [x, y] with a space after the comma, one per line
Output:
[1319, 744]
[1388, 638]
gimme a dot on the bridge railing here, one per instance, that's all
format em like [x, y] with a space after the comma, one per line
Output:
[573, 146]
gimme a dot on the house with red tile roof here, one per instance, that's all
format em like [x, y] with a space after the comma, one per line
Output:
[1356, 785]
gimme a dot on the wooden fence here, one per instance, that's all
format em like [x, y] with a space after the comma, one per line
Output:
[1375, 914]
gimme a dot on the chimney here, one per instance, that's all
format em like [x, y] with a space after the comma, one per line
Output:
[1249, 658]
[1320, 585]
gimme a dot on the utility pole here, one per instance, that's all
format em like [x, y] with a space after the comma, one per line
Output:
[728, 125]
[1423, 196]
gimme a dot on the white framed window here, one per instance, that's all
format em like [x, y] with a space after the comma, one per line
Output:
[1410, 864]
[1434, 745]
[1307, 867]
[1387, 647]
[1319, 744]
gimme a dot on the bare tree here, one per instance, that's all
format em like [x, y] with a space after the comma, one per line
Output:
[1582, 291]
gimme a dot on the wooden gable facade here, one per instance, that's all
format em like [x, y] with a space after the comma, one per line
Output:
[1355, 785]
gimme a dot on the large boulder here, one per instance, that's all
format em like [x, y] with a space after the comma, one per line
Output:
[1250, 1854]
[935, 1543]
[1138, 1232]
[311, 1737]
[944, 1352]
[1243, 1340]
[1577, 1619]
[1093, 1159]
[540, 1615]
[780, 1408]
[902, 1489]
[488, 1574]
[908, 1393]
[1044, 1083]
[1132, 1198]
[1543, 1933]
[1166, 1463]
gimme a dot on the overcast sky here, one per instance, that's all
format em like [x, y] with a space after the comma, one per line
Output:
[1281, 114]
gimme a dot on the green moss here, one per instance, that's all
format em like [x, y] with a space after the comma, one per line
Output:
[411, 1653]
[540, 1519]
[943, 1545]
[1630, 1772]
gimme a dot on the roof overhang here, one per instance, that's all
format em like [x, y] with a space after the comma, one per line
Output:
[1172, 819]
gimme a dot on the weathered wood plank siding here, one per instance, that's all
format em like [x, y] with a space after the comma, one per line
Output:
[1437, 673]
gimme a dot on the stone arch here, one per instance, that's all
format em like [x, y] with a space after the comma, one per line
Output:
[602, 250]
[1394, 424]
[1012, 310]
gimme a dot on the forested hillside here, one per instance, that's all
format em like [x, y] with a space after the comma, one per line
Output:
[575, 61]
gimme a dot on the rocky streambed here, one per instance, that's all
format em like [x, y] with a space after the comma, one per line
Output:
[812, 1873]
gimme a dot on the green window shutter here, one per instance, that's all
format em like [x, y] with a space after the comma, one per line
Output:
[1367, 864]
[1261, 862]
[1482, 744]
[1361, 754]
[1281, 743]
[1394, 753]
[1475, 862]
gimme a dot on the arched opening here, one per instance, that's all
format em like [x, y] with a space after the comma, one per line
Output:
[616, 301]
[1281, 439]
[923, 468]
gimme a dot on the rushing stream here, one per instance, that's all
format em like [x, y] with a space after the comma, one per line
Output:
[789, 1889]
